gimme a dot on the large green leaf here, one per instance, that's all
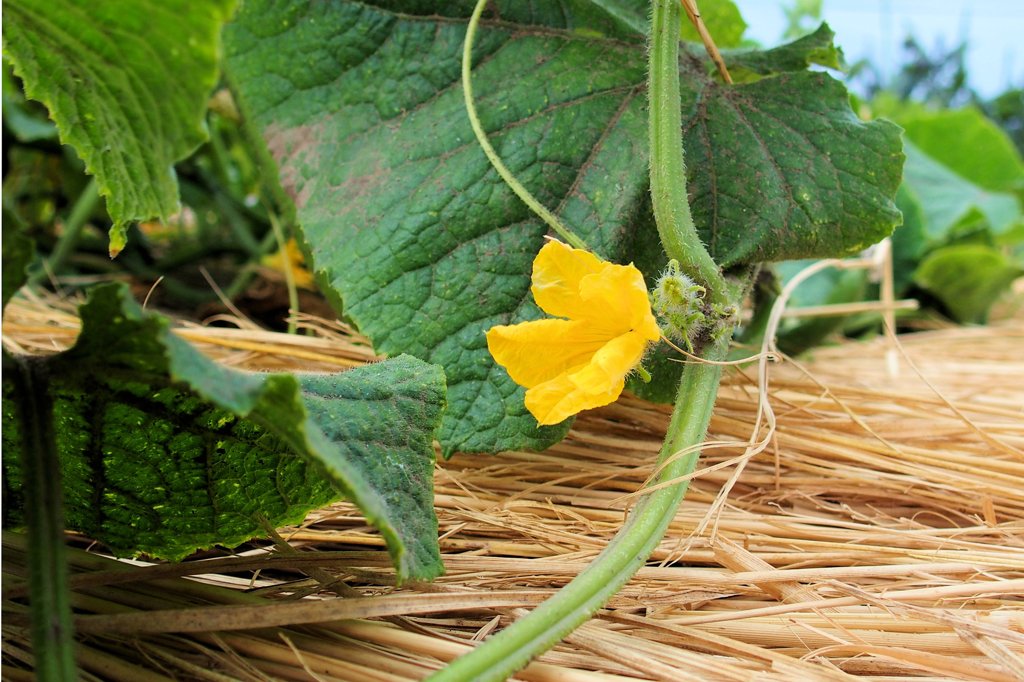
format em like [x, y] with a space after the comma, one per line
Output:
[164, 451]
[948, 199]
[967, 278]
[910, 240]
[361, 107]
[126, 81]
[969, 144]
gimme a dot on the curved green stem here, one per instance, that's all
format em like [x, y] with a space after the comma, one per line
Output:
[512, 648]
[668, 171]
[474, 120]
[80, 212]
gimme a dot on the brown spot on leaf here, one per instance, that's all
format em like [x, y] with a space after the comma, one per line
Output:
[296, 151]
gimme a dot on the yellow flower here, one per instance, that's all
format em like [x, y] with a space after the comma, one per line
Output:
[579, 363]
[291, 256]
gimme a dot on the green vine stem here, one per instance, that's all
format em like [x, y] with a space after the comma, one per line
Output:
[52, 630]
[474, 120]
[511, 649]
[668, 171]
[80, 212]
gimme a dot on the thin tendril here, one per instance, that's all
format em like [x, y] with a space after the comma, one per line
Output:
[725, 363]
[474, 120]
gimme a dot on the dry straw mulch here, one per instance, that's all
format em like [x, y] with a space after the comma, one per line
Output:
[880, 535]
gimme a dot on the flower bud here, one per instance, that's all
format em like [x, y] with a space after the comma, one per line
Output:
[678, 302]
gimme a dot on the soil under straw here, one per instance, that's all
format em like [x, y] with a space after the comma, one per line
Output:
[880, 535]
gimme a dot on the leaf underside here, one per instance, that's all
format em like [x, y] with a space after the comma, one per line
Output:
[126, 82]
[947, 198]
[164, 451]
[967, 278]
[361, 107]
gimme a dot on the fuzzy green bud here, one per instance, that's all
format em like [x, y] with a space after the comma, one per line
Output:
[678, 302]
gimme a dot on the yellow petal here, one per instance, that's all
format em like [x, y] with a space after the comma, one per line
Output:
[579, 363]
[557, 400]
[599, 382]
[577, 284]
[557, 271]
[291, 257]
[616, 300]
[538, 351]
[609, 366]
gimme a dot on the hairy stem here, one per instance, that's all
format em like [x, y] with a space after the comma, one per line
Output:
[512, 648]
[668, 171]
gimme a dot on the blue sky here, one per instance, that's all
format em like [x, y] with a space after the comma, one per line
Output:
[875, 29]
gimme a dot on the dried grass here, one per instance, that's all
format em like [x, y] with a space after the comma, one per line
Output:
[880, 535]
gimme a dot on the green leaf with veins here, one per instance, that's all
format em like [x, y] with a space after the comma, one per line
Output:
[361, 106]
[164, 451]
[126, 82]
